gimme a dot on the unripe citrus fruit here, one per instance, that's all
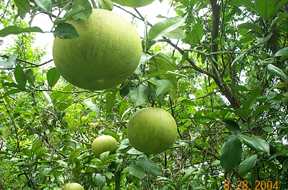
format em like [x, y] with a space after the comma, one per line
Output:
[73, 186]
[106, 52]
[104, 143]
[152, 130]
[133, 3]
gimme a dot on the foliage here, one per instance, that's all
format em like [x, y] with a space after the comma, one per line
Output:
[219, 67]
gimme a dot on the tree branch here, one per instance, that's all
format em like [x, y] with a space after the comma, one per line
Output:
[190, 61]
[224, 88]
[25, 62]
[215, 26]
[132, 14]
[5, 10]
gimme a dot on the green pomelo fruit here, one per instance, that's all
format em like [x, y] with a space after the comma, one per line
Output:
[104, 143]
[73, 186]
[152, 130]
[133, 3]
[107, 51]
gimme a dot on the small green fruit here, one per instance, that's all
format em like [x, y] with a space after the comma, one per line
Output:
[104, 143]
[73, 186]
[133, 3]
[107, 51]
[152, 130]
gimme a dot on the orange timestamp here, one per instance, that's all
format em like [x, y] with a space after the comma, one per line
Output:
[259, 185]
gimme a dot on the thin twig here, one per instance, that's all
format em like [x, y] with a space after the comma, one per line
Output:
[191, 62]
[5, 10]
[31, 65]
[142, 17]
[119, 7]
[60, 91]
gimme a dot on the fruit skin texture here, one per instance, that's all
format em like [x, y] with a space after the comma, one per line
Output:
[107, 51]
[152, 130]
[73, 186]
[104, 143]
[133, 3]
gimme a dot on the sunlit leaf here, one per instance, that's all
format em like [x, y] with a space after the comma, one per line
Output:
[282, 53]
[81, 10]
[18, 30]
[256, 143]
[164, 27]
[45, 5]
[22, 6]
[139, 95]
[247, 165]
[52, 76]
[277, 71]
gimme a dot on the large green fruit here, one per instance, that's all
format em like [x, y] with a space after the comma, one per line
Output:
[104, 143]
[133, 3]
[152, 130]
[73, 186]
[106, 52]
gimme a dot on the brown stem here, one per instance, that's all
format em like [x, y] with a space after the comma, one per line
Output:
[224, 88]
[215, 26]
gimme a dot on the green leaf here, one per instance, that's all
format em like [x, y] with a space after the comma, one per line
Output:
[144, 166]
[20, 76]
[277, 71]
[52, 76]
[100, 180]
[9, 84]
[81, 10]
[246, 3]
[133, 151]
[164, 27]
[91, 105]
[65, 31]
[196, 34]
[231, 153]
[45, 5]
[246, 165]
[282, 53]
[177, 34]
[30, 76]
[232, 125]
[60, 100]
[160, 64]
[266, 8]
[139, 95]
[13, 91]
[256, 143]
[123, 144]
[149, 167]
[251, 98]
[110, 101]
[264, 39]
[163, 86]
[106, 4]
[22, 6]
[136, 171]
[17, 30]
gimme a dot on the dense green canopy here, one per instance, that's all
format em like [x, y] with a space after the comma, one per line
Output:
[218, 67]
